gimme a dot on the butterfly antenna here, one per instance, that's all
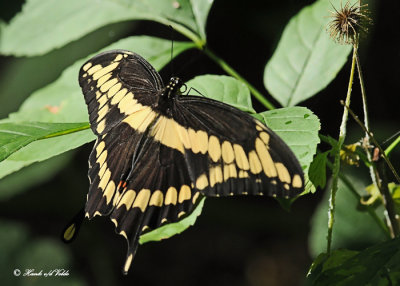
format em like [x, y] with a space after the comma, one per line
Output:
[172, 50]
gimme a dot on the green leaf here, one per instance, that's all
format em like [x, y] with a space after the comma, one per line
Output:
[353, 228]
[298, 127]
[376, 265]
[317, 171]
[222, 88]
[306, 59]
[171, 229]
[44, 149]
[32, 175]
[14, 136]
[44, 25]
[62, 102]
[200, 10]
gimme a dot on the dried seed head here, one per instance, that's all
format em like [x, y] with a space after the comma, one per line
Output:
[348, 22]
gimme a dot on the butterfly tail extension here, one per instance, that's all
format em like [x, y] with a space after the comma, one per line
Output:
[70, 232]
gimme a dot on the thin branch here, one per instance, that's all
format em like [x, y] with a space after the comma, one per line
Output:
[336, 164]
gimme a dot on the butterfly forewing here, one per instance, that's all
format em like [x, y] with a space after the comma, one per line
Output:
[157, 154]
[116, 84]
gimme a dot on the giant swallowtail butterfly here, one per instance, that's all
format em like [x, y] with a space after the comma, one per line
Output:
[158, 152]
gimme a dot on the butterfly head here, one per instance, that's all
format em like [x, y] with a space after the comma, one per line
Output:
[172, 87]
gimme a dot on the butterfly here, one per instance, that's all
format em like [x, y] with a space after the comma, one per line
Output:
[158, 152]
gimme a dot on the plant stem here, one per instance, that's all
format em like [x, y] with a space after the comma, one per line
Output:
[233, 73]
[370, 209]
[366, 143]
[392, 146]
[336, 164]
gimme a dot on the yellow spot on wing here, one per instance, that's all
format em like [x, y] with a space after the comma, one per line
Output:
[202, 182]
[265, 158]
[102, 112]
[120, 94]
[107, 85]
[127, 199]
[214, 148]
[118, 58]
[227, 152]
[215, 176]
[102, 170]
[102, 100]
[102, 158]
[171, 196]
[157, 199]
[94, 69]
[296, 182]
[100, 72]
[109, 191]
[181, 214]
[264, 137]
[230, 171]
[129, 105]
[255, 164]
[141, 119]
[104, 180]
[241, 158]
[283, 173]
[100, 148]
[165, 131]
[184, 136]
[113, 90]
[243, 174]
[87, 66]
[142, 199]
[202, 139]
[101, 126]
[103, 79]
[195, 197]
[184, 194]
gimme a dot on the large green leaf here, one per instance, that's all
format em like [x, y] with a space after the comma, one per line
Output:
[222, 88]
[376, 265]
[14, 136]
[298, 127]
[306, 59]
[44, 25]
[62, 102]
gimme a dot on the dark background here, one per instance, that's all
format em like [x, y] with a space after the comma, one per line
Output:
[235, 241]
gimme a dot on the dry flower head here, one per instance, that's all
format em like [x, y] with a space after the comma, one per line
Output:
[347, 22]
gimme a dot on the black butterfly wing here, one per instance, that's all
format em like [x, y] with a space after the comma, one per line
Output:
[228, 152]
[158, 191]
[115, 84]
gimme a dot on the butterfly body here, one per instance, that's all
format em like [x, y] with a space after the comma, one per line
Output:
[158, 152]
